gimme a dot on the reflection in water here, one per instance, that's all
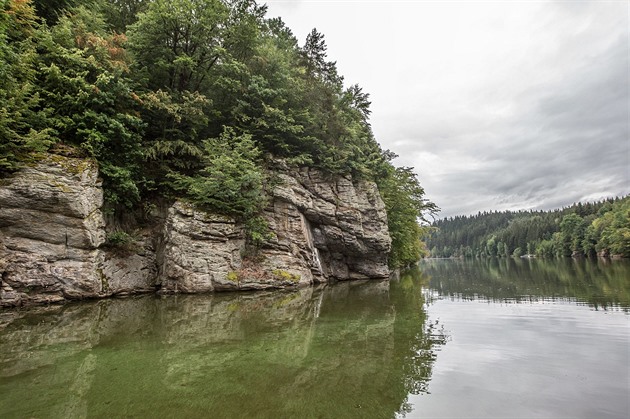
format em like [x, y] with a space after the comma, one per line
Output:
[351, 350]
[358, 349]
[602, 284]
[528, 339]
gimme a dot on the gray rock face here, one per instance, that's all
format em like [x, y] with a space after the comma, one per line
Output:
[52, 233]
[322, 230]
[130, 272]
[335, 228]
[200, 251]
[50, 229]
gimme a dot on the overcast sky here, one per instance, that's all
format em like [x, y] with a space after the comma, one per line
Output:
[496, 104]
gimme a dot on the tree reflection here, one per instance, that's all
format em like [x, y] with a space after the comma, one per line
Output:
[602, 284]
[356, 349]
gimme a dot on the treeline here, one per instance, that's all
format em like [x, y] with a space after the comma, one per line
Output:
[189, 98]
[583, 229]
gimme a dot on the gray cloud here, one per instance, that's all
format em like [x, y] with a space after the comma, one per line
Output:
[516, 105]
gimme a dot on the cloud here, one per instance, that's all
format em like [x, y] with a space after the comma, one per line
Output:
[510, 105]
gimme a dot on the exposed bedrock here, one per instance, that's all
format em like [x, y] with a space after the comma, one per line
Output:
[53, 238]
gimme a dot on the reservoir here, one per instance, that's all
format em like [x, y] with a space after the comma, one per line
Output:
[450, 338]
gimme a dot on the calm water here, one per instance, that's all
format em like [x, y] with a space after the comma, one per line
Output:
[451, 339]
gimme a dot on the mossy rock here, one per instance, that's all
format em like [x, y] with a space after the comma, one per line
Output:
[282, 275]
[75, 166]
[233, 276]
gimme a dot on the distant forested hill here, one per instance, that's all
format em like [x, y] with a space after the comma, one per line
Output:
[583, 229]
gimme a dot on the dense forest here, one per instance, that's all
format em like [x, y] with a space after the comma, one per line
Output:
[189, 99]
[583, 229]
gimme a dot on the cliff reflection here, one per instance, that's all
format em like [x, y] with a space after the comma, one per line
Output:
[602, 284]
[356, 349]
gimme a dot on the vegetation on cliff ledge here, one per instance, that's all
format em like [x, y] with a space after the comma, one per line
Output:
[186, 98]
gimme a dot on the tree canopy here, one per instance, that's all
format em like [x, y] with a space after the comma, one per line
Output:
[183, 98]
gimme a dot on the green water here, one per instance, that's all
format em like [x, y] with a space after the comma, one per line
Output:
[450, 339]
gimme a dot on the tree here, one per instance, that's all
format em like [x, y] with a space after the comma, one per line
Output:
[314, 53]
[52, 10]
[22, 124]
[572, 228]
[122, 13]
[613, 229]
[231, 180]
[178, 42]
[90, 102]
[405, 205]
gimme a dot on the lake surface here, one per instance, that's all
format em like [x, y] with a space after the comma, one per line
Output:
[493, 338]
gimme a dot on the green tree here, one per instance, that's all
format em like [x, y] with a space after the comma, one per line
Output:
[90, 102]
[315, 54]
[572, 228]
[406, 206]
[122, 13]
[178, 42]
[231, 180]
[52, 10]
[613, 229]
[22, 124]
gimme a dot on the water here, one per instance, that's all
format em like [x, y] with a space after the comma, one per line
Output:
[499, 338]
[529, 339]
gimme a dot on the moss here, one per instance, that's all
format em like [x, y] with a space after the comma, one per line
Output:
[75, 166]
[282, 275]
[233, 276]
[52, 181]
[104, 281]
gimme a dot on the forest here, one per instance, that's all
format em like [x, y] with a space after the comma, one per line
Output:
[580, 230]
[189, 99]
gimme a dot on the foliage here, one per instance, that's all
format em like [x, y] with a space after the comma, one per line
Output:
[119, 238]
[121, 242]
[405, 204]
[177, 42]
[611, 231]
[230, 181]
[580, 230]
[257, 230]
[90, 103]
[22, 124]
[52, 10]
[122, 13]
[181, 98]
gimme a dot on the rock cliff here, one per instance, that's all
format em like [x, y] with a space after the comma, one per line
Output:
[53, 238]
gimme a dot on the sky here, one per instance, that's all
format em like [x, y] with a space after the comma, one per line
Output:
[498, 105]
